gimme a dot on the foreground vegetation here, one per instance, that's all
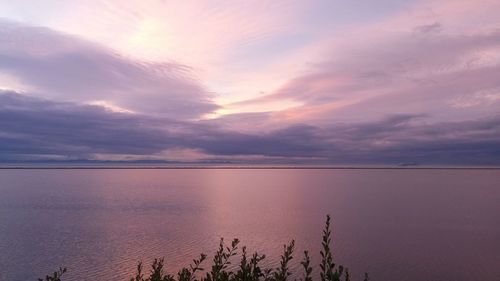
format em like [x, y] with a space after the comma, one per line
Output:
[249, 268]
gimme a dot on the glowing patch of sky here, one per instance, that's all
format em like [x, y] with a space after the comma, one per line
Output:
[234, 65]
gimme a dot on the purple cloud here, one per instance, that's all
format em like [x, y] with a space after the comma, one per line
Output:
[424, 70]
[62, 67]
[33, 129]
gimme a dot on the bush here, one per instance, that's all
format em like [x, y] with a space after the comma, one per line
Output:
[248, 269]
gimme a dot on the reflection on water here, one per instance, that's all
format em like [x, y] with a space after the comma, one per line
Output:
[395, 224]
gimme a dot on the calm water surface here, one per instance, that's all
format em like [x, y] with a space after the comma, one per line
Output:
[394, 224]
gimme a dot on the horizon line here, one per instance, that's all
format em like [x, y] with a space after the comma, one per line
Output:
[251, 167]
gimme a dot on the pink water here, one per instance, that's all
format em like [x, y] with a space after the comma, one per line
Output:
[394, 224]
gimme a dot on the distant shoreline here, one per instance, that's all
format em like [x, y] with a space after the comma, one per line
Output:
[240, 168]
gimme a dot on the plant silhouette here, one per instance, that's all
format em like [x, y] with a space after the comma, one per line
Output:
[56, 276]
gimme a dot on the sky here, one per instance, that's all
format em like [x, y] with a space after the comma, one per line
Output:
[283, 81]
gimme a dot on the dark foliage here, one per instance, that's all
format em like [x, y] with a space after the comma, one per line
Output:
[249, 268]
[306, 264]
[56, 276]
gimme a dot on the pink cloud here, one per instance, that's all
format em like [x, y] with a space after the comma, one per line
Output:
[66, 68]
[415, 62]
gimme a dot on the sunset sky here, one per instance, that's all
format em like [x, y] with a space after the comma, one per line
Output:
[295, 81]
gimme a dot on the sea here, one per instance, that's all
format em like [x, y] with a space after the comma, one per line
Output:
[395, 224]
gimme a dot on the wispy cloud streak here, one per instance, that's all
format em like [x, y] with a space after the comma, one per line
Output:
[63, 67]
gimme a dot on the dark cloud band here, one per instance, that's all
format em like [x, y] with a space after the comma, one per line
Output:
[36, 129]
